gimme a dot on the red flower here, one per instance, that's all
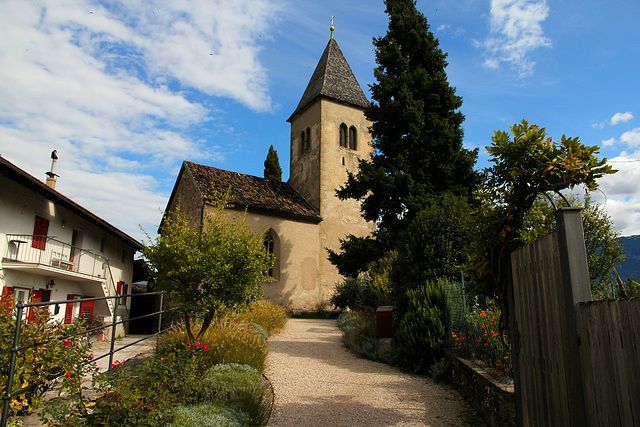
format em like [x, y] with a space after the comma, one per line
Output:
[205, 347]
[197, 344]
[68, 375]
[66, 343]
[91, 356]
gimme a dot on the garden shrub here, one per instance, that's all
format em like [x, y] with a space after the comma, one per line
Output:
[421, 334]
[431, 248]
[260, 330]
[240, 387]
[205, 415]
[359, 335]
[148, 396]
[348, 294]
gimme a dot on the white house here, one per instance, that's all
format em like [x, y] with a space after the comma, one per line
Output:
[52, 249]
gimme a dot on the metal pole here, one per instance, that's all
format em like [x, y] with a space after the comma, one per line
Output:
[12, 365]
[113, 332]
[161, 311]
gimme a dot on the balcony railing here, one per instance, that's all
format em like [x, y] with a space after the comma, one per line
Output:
[47, 251]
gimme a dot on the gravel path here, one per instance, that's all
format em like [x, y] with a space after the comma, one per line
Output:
[317, 382]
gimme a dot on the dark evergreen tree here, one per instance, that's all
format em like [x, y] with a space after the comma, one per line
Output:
[272, 169]
[417, 134]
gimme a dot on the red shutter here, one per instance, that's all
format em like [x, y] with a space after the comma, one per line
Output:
[68, 314]
[86, 308]
[40, 232]
[119, 291]
[125, 291]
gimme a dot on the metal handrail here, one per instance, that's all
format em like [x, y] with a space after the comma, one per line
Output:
[20, 310]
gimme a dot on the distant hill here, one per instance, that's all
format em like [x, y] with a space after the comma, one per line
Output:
[631, 266]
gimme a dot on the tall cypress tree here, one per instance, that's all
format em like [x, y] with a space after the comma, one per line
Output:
[417, 137]
[417, 134]
[272, 169]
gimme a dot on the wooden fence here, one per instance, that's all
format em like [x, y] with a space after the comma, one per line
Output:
[610, 355]
[577, 363]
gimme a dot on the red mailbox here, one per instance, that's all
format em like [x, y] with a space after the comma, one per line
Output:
[384, 322]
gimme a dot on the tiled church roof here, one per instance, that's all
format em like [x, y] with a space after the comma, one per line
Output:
[251, 192]
[333, 79]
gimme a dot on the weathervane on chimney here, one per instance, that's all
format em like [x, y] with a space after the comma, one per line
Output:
[51, 176]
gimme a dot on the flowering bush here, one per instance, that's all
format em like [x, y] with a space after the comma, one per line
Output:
[60, 355]
[480, 339]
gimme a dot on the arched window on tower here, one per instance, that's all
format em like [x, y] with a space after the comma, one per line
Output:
[305, 140]
[353, 138]
[343, 135]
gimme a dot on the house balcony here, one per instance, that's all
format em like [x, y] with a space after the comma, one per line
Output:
[46, 256]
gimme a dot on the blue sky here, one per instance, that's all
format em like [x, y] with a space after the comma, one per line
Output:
[125, 91]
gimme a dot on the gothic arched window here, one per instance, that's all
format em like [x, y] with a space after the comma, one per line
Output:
[271, 245]
[353, 135]
[343, 135]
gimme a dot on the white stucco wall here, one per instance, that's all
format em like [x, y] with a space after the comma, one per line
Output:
[18, 209]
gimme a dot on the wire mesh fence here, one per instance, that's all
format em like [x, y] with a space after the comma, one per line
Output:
[474, 330]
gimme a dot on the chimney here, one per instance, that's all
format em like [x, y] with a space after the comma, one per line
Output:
[51, 176]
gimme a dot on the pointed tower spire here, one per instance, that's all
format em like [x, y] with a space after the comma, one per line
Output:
[333, 79]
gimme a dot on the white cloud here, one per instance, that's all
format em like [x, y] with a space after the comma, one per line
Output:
[516, 31]
[631, 138]
[621, 195]
[608, 142]
[120, 90]
[621, 118]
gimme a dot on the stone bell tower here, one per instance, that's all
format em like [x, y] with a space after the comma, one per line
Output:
[329, 134]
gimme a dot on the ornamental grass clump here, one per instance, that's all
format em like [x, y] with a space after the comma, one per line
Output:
[225, 341]
[270, 316]
[231, 341]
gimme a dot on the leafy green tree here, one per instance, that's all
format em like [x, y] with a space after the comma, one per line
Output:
[272, 169]
[604, 251]
[220, 263]
[526, 165]
[416, 130]
[430, 248]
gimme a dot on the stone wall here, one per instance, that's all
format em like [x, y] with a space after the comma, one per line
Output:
[493, 399]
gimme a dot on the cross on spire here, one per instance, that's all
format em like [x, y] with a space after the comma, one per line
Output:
[332, 27]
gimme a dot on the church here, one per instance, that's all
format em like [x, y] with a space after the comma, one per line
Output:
[301, 218]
